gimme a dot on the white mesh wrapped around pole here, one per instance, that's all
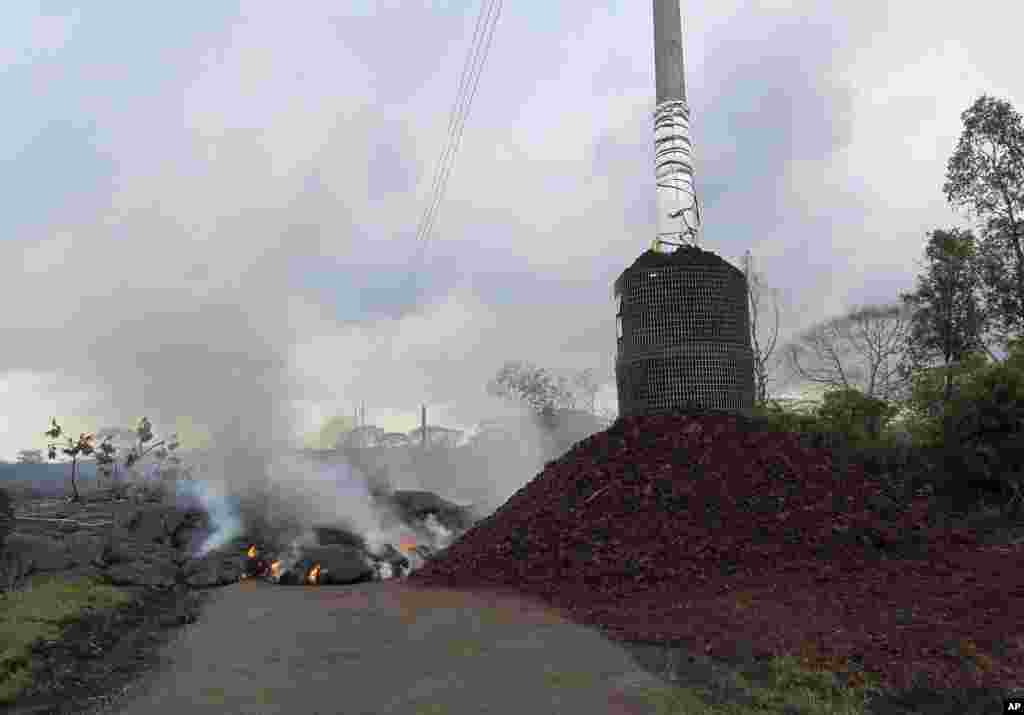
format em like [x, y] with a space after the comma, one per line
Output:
[679, 219]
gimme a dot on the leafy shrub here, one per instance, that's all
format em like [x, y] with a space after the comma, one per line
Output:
[986, 461]
[924, 406]
[859, 417]
[783, 419]
[903, 469]
[983, 455]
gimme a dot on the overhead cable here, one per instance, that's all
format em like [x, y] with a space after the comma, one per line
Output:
[456, 123]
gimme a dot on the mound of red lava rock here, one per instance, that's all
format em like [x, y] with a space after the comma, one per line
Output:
[711, 530]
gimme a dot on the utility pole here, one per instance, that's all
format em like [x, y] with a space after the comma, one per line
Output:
[679, 220]
[423, 426]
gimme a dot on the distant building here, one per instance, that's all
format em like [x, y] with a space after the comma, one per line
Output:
[438, 436]
[394, 439]
[362, 436]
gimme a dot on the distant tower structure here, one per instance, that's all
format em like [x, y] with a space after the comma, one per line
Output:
[683, 318]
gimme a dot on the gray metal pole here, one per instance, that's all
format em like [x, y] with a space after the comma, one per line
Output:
[679, 221]
[668, 52]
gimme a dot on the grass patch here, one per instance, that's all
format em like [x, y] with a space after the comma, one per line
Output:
[792, 689]
[40, 612]
[569, 679]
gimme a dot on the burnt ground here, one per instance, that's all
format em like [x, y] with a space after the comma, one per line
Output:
[102, 653]
[98, 656]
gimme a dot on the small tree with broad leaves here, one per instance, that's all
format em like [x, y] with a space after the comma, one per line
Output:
[83, 446]
[105, 452]
[162, 451]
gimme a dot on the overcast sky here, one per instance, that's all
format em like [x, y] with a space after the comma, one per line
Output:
[210, 208]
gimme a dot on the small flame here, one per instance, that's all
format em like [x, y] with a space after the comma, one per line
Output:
[252, 551]
[407, 546]
[275, 570]
[314, 575]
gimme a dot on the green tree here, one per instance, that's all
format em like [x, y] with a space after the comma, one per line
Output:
[531, 385]
[989, 428]
[929, 415]
[947, 322]
[106, 464]
[82, 446]
[985, 175]
[106, 459]
[161, 450]
[997, 269]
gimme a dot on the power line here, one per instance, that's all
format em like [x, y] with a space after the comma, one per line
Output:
[461, 127]
[453, 121]
[456, 122]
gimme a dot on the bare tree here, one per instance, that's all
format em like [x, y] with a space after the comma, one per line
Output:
[862, 350]
[755, 289]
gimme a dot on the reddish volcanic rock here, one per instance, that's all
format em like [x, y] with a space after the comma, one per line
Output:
[710, 530]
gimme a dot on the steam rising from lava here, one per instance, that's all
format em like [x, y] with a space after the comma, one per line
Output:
[281, 498]
[297, 495]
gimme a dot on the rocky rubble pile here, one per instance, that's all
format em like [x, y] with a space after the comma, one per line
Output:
[6, 516]
[146, 550]
[155, 545]
[716, 532]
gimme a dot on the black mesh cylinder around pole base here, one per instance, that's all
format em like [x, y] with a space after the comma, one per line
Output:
[683, 335]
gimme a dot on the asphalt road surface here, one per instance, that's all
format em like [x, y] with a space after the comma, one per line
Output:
[385, 647]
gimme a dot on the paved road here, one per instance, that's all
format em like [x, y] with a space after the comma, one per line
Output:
[386, 648]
